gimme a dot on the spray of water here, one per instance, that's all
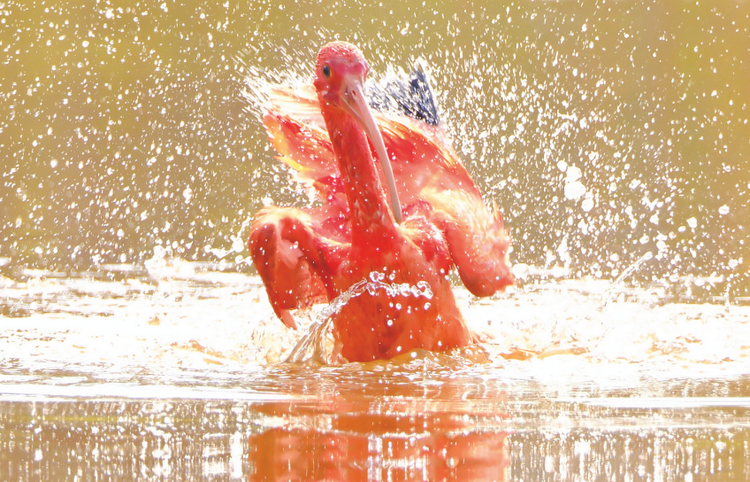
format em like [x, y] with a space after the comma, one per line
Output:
[317, 344]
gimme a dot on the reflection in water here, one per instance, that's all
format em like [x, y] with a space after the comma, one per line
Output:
[407, 439]
[703, 454]
[345, 442]
[102, 440]
[355, 440]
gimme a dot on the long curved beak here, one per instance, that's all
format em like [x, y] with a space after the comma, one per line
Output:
[354, 102]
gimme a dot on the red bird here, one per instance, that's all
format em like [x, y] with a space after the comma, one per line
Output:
[311, 255]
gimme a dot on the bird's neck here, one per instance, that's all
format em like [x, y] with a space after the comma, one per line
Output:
[371, 217]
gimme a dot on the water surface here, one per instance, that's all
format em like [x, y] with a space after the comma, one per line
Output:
[179, 373]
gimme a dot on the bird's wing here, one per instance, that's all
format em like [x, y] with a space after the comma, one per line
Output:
[422, 158]
[295, 252]
[421, 154]
[476, 239]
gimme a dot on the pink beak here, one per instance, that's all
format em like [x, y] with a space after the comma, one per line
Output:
[355, 104]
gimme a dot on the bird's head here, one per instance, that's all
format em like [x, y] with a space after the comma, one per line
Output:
[340, 76]
[340, 73]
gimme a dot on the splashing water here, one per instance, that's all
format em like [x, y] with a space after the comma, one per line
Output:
[422, 288]
[317, 345]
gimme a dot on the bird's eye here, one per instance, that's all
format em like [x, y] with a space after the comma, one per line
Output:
[326, 71]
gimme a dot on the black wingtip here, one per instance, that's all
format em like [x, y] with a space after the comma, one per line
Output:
[412, 97]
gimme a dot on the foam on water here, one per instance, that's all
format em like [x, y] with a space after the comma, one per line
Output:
[192, 316]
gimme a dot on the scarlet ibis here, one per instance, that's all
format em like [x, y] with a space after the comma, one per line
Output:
[432, 219]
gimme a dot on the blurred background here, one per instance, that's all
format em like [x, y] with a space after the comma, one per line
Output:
[607, 132]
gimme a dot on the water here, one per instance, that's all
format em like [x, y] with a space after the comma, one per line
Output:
[178, 372]
[136, 342]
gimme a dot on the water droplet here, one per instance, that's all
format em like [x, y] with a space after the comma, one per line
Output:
[573, 174]
[574, 190]
[724, 210]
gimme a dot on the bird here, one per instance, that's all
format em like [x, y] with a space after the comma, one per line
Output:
[406, 221]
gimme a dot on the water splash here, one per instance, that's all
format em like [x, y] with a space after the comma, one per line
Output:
[422, 288]
[611, 292]
[318, 344]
